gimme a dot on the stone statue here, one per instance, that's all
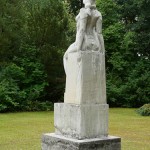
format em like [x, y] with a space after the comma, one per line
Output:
[89, 43]
[81, 122]
[89, 30]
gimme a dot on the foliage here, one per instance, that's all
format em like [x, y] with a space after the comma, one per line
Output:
[34, 35]
[49, 27]
[9, 90]
[22, 82]
[127, 56]
[75, 6]
[144, 110]
[39, 106]
[11, 22]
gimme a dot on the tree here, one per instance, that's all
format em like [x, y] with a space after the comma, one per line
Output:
[11, 23]
[34, 35]
[22, 82]
[47, 27]
[75, 6]
[33, 56]
[125, 26]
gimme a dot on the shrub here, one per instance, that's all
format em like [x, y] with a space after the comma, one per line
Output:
[23, 82]
[39, 106]
[144, 110]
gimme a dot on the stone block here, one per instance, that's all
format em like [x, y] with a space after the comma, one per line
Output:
[57, 142]
[85, 79]
[81, 121]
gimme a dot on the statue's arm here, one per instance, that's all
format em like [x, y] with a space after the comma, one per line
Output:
[99, 32]
[80, 33]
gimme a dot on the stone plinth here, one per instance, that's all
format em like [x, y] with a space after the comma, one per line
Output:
[85, 78]
[81, 121]
[57, 142]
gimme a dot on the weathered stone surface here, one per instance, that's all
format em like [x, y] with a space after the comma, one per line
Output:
[81, 121]
[56, 142]
[84, 60]
[85, 80]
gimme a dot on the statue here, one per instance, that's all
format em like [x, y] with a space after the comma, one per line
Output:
[89, 30]
[89, 39]
[81, 122]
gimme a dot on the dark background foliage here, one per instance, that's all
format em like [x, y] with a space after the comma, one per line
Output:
[34, 34]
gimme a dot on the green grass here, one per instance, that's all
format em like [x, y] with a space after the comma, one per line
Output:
[132, 128]
[23, 131]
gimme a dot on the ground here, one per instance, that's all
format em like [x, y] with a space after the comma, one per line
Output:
[23, 131]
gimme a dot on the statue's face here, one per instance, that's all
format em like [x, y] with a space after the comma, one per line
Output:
[89, 1]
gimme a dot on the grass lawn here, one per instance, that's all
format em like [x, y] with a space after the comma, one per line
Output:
[22, 131]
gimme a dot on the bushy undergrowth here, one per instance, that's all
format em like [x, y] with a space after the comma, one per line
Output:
[144, 110]
[22, 83]
[39, 106]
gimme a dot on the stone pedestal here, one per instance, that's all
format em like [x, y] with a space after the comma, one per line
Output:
[81, 121]
[57, 142]
[80, 127]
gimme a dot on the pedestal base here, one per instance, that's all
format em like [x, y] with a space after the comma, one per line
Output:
[81, 121]
[56, 142]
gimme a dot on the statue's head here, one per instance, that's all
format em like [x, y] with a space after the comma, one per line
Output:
[92, 2]
[88, 3]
